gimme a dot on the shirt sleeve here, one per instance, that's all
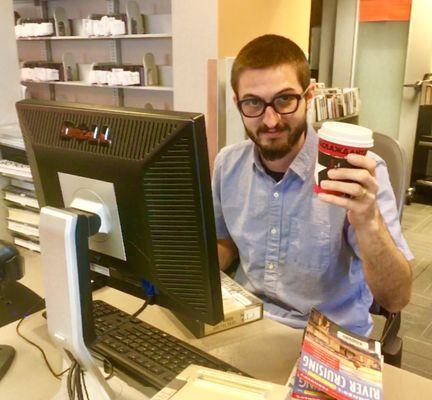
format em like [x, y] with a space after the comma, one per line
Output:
[221, 228]
[387, 205]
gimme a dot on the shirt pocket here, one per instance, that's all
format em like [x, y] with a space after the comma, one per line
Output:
[309, 242]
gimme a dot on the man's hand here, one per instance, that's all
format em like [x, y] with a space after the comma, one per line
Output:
[227, 252]
[361, 187]
[386, 270]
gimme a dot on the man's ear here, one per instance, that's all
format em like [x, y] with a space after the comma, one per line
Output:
[235, 100]
[310, 93]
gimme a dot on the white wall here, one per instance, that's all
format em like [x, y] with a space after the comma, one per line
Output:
[194, 25]
[345, 43]
[9, 75]
[380, 70]
[328, 24]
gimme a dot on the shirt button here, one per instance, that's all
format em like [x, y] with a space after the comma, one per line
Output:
[270, 266]
[273, 231]
[276, 195]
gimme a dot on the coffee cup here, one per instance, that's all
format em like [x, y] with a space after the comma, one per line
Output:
[336, 141]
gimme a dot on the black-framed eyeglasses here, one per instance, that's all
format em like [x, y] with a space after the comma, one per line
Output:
[286, 103]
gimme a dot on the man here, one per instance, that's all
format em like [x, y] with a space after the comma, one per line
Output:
[299, 250]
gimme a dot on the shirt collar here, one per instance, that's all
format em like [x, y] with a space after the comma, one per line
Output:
[304, 160]
[256, 159]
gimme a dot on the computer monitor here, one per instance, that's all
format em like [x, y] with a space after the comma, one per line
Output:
[150, 170]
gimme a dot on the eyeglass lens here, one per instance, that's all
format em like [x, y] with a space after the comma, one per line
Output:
[283, 104]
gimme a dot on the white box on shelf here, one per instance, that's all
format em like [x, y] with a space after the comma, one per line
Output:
[157, 23]
[165, 75]
[27, 243]
[23, 229]
[78, 27]
[24, 216]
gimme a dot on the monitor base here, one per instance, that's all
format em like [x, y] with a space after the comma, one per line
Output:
[16, 301]
[7, 354]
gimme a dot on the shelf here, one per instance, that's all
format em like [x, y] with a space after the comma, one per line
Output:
[317, 124]
[14, 143]
[422, 143]
[424, 182]
[118, 37]
[30, 1]
[85, 84]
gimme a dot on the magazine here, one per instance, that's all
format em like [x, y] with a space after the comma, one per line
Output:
[338, 362]
[305, 391]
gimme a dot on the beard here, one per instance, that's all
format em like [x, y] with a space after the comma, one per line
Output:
[277, 148]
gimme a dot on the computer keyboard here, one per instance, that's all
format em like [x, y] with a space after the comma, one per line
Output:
[143, 352]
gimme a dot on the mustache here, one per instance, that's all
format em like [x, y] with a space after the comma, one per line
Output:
[278, 128]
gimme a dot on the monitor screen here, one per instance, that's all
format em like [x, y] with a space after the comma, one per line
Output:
[150, 172]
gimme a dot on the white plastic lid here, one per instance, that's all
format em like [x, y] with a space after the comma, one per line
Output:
[346, 134]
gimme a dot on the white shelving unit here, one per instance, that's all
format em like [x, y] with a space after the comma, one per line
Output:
[186, 48]
[85, 84]
[93, 49]
[116, 37]
[20, 210]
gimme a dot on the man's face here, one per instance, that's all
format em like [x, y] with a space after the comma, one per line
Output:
[275, 134]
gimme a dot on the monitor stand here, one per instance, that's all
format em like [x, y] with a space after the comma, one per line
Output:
[64, 238]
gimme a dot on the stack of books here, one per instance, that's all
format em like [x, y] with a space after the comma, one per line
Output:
[337, 364]
[22, 205]
[334, 103]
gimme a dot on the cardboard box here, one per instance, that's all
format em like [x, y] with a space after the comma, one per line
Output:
[240, 307]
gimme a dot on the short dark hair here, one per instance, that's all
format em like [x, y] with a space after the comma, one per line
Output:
[270, 51]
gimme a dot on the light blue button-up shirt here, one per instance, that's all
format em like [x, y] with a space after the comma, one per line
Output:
[296, 252]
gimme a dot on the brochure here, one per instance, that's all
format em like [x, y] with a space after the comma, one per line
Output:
[338, 362]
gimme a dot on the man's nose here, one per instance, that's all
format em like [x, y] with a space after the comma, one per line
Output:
[271, 118]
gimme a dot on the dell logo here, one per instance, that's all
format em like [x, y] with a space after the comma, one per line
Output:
[93, 135]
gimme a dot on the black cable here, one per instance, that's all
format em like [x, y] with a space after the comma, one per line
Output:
[76, 382]
[103, 359]
[70, 386]
[129, 319]
[84, 384]
[17, 328]
[72, 382]
[77, 379]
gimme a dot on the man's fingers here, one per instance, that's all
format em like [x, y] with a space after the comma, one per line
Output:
[350, 188]
[363, 162]
[341, 201]
[359, 176]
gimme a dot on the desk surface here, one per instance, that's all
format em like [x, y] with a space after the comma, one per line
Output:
[264, 349]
